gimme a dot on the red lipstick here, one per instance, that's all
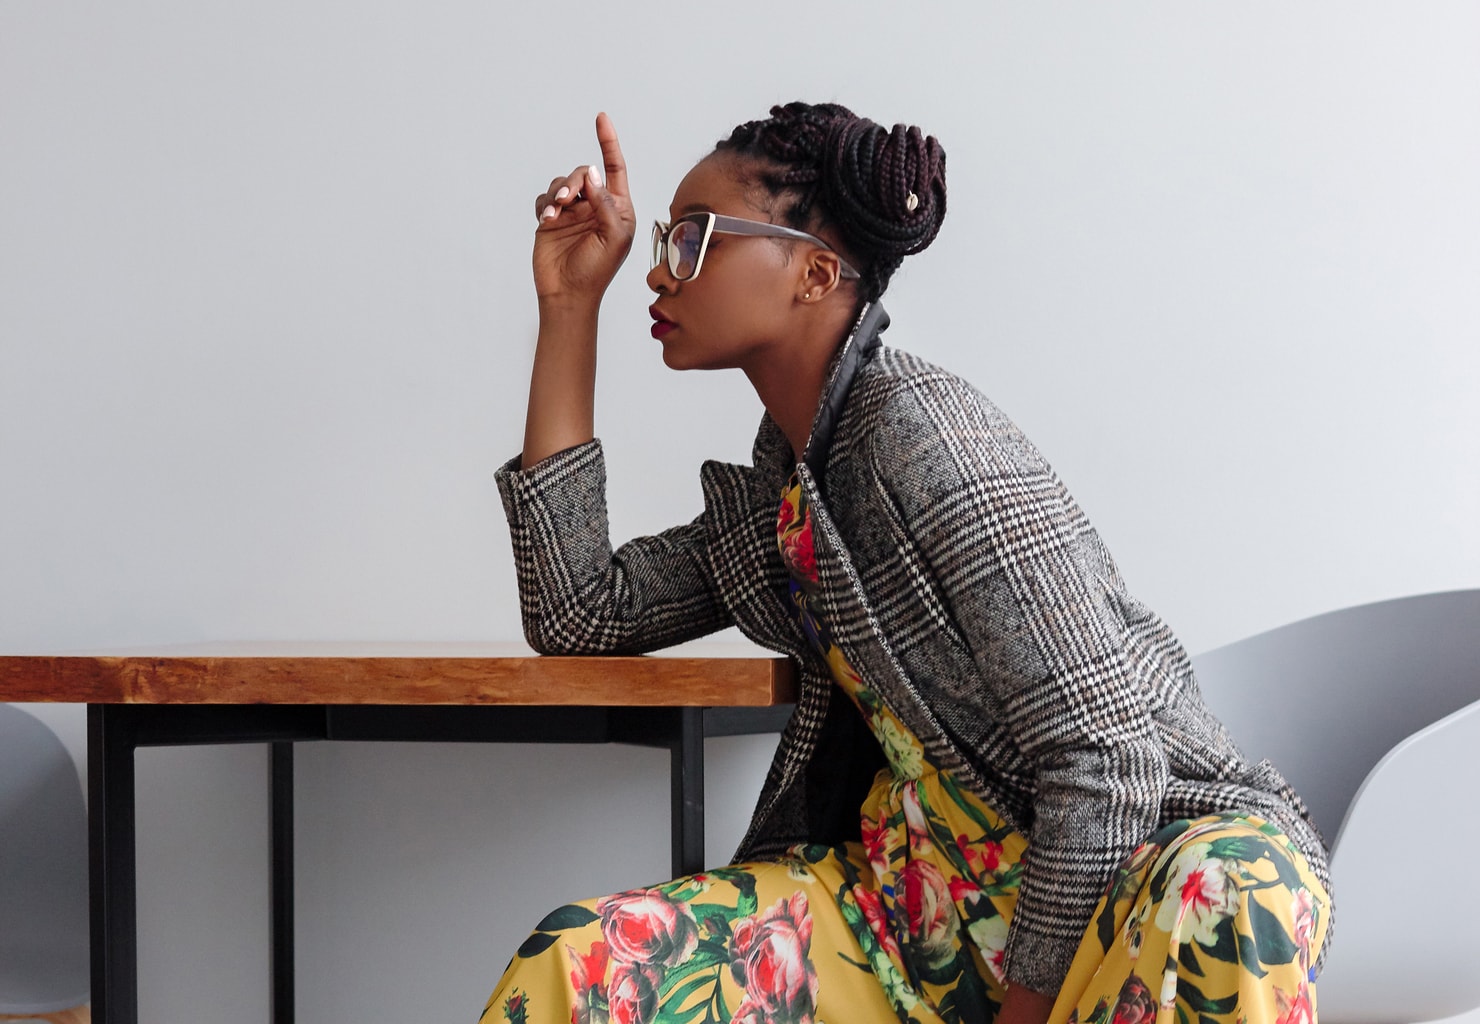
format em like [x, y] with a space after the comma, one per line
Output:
[662, 325]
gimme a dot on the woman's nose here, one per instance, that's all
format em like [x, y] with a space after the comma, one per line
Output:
[660, 280]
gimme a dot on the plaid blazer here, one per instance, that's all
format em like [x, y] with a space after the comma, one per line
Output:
[964, 584]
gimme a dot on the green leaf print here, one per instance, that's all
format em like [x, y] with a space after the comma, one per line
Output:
[1240, 848]
[1193, 996]
[1288, 873]
[677, 1016]
[1156, 889]
[704, 959]
[1225, 944]
[721, 1010]
[943, 974]
[535, 945]
[1007, 881]
[898, 991]
[1187, 957]
[940, 829]
[1248, 957]
[1105, 926]
[1273, 944]
[676, 997]
[816, 853]
[1101, 1013]
[744, 883]
[973, 809]
[968, 1000]
[568, 916]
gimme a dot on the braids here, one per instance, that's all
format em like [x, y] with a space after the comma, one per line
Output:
[857, 176]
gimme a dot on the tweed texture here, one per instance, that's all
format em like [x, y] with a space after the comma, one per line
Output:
[962, 580]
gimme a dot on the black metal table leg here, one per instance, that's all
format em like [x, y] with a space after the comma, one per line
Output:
[688, 793]
[111, 737]
[280, 789]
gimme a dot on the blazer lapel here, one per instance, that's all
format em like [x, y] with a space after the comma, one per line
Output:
[856, 629]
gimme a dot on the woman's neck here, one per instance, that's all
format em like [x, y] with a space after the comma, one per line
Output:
[790, 378]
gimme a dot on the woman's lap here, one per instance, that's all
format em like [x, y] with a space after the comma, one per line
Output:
[1216, 920]
[1225, 902]
[749, 942]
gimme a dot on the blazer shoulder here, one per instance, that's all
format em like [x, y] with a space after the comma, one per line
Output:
[904, 409]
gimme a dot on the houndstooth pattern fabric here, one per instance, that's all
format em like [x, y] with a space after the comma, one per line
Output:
[967, 587]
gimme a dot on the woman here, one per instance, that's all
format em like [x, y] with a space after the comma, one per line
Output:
[1001, 796]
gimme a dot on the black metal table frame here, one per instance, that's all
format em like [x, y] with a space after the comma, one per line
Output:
[115, 731]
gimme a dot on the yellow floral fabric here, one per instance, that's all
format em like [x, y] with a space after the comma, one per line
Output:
[1213, 921]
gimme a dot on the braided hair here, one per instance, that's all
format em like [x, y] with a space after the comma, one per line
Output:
[829, 166]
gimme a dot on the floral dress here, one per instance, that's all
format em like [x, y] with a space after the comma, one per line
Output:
[1211, 921]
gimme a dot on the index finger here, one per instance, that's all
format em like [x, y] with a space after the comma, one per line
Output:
[611, 155]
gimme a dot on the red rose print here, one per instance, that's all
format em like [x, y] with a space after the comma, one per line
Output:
[931, 911]
[964, 891]
[646, 927]
[516, 1008]
[797, 553]
[634, 993]
[1294, 1009]
[914, 818]
[872, 905]
[587, 979]
[1135, 1004]
[749, 1013]
[771, 960]
[981, 856]
[786, 515]
[876, 845]
[1303, 908]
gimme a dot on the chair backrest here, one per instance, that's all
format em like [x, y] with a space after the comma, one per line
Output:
[1325, 698]
[1405, 904]
[43, 870]
[1373, 714]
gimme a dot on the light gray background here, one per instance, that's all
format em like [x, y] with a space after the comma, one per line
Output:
[266, 329]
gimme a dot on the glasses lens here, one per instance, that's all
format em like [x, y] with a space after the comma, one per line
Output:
[684, 242]
[658, 228]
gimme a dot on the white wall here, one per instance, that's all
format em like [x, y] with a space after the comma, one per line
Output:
[265, 328]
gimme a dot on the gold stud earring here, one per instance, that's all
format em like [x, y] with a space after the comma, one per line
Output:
[807, 296]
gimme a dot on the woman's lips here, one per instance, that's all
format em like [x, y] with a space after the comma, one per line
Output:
[663, 324]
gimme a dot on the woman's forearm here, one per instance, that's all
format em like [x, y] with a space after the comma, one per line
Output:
[1024, 1006]
[562, 386]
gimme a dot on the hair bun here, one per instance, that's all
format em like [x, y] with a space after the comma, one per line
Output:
[886, 185]
[882, 190]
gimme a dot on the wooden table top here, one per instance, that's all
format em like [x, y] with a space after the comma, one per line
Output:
[693, 675]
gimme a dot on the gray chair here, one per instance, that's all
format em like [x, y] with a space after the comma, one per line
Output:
[43, 874]
[1373, 714]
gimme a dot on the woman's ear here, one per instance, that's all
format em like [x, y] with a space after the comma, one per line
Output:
[822, 274]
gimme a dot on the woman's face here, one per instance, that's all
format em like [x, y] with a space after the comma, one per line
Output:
[740, 305]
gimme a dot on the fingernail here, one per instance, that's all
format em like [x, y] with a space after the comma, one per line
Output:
[549, 212]
[594, 175]
[562, 193]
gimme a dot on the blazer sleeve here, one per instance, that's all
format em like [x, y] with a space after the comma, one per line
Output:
[577, 595]
[1015, 563]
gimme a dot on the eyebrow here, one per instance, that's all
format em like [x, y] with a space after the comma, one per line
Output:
[693, 208]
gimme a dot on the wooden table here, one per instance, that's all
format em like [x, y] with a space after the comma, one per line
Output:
[285, 693]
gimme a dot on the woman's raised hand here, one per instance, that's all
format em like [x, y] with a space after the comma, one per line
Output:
[586, 226]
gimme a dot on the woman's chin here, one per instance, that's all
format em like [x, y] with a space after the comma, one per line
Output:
[678, 357]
